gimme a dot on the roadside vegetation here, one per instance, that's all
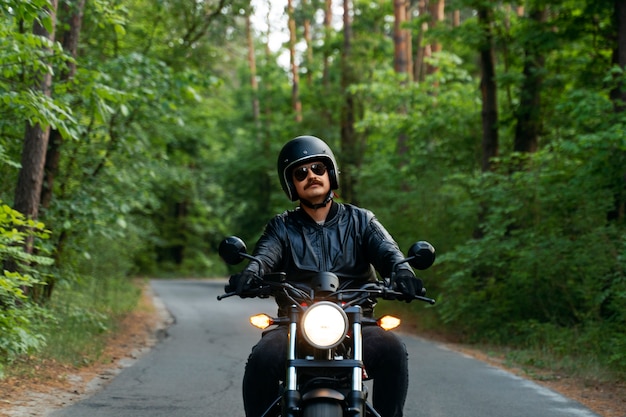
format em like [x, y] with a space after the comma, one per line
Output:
[135, 135]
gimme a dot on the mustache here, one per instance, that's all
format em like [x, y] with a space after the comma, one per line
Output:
[313, 181]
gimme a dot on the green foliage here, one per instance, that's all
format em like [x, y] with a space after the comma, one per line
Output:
[546, 256]
[412, 194]
[19, 314]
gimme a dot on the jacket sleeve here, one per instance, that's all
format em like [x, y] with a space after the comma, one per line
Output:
[383, 251]
[269, 248]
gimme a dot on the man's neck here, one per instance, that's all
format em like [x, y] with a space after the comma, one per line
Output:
[318, 214]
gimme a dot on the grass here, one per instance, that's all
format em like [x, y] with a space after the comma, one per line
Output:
[83, 315]
[551, 355]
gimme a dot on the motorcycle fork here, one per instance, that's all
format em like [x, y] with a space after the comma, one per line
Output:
[356, 400]
[291, 396]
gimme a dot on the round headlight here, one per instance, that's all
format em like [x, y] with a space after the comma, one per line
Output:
[324, 325]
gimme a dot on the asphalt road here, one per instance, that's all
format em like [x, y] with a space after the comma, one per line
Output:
[197, 370]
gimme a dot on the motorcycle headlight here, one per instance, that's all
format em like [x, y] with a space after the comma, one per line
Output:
[324, 325]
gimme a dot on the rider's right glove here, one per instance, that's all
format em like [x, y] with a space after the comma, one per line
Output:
[241, 283]
[408, 284]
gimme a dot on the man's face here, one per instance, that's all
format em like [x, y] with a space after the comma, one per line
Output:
[311, 181]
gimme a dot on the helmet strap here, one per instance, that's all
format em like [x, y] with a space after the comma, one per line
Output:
[324, 203]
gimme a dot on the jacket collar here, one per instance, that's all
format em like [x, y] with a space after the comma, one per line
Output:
[332, 214]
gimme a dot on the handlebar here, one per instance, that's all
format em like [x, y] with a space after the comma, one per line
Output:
[369, 290]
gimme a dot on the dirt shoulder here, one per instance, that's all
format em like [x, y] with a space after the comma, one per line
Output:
[605, 399]
[53, 386]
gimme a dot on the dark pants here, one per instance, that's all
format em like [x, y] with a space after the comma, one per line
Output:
[384, 356]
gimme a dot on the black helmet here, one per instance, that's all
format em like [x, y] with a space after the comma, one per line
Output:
[299, 150]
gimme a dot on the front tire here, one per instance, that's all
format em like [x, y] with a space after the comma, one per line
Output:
[322, 409]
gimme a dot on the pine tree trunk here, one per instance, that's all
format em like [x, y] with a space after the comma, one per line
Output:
[437, 15]
[71, 14]
[400, 38]
[308, 41]
[618, 95]
[30, 179]
[254, 85]
[328, 18]
[488, 90]
[528, 113]
[295, 81]
[421, 52]
[350, 152]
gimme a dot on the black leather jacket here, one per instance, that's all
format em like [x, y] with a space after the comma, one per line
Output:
[351, 243]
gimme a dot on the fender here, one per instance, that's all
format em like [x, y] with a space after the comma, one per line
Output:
[323, 393]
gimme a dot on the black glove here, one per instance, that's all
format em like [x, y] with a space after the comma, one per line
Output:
[242, 282]
[408, 284]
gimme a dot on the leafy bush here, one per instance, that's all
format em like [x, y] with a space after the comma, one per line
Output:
[19, 314]
[547, 267]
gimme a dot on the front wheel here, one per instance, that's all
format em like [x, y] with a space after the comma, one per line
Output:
[322, 409]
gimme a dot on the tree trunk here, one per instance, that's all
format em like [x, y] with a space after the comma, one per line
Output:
[618, 95]
[401, 38]
[350, 151]
[328, 18]
[267, 85]
[254, 85]
[71, 15]
[456, 18]
[308, 41]
[30, 179]
[421, 52]
[528, 113]
[488, 90]
[437, 14]
[295, 81]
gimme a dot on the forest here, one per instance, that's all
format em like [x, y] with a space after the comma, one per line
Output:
[136, 134]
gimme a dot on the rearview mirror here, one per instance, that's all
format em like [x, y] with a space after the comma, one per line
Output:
[232, 250]
[421, 255]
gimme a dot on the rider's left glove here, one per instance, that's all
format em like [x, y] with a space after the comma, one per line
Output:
[408, 284]
[241, 283]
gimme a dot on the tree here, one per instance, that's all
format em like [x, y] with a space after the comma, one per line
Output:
[293, 65]
[72, 18]
[30, 180]
[488, 87]
[401, 38]
[528, 113]
[254, 84]
[437, 14]
[401, 63]
[618, 94]
[421, 51]
[328, 17]
[349, 143]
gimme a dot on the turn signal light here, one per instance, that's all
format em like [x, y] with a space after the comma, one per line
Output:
[262, 321]
[388, 322]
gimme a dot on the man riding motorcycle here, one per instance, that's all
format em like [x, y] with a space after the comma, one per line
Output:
[323, 235]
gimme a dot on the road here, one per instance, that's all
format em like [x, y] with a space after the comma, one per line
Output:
[197, 370]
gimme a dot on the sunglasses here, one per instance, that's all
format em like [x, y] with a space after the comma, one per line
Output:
[302, 172]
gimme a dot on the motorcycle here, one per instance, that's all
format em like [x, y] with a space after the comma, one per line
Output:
[325, 373]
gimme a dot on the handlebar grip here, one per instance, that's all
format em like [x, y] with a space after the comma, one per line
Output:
[228, 294]
[426, 299]
[389, 294]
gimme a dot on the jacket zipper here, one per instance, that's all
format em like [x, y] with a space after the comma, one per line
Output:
[324, 254]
